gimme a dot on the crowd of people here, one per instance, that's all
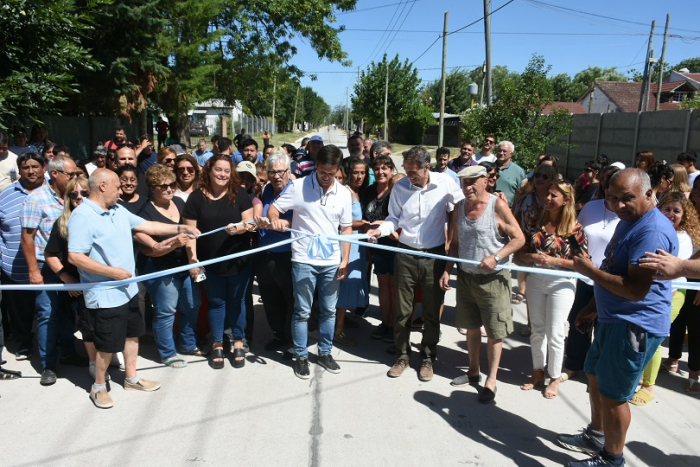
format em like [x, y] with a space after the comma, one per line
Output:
[67, 221]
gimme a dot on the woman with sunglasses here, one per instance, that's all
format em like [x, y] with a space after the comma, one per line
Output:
[56, 253]
[173, 291]
[187, 173]
[558, 237]
[587, 185]
[167, 157]
[220, 201]
[129, 198]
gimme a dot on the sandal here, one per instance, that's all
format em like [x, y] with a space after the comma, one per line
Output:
[641, 398]
[537, 379]
[238, 358]
[11, 374]
[517, 298]
[196, 352]
[175, 362]
[217, 358]
[668, 368]
[693, 387]
[550, 392]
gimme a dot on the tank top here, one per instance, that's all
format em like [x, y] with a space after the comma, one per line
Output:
[479, 238]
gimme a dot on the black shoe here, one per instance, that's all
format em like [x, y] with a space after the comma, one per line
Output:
[327, 362]
[48, 377]
[73, 359]
[487, 396]
[301, 368]
[588, 441]
[596, 461]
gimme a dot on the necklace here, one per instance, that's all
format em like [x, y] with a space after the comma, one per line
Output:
[164, 211]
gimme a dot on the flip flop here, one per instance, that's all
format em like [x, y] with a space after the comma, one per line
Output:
[693, 387]
[175, 363]
[9, 374]
[643, 398]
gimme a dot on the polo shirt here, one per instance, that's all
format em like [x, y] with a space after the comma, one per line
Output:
[421, 213]
[39, 211]
[304, 166]
[105, 236]
[510, 179]
[13, 262]
[316, 212]
[456, 164]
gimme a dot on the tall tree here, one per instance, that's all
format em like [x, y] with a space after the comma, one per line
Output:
[457, 98]
[41, 53]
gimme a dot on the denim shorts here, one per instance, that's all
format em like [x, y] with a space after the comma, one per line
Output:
[618, 355]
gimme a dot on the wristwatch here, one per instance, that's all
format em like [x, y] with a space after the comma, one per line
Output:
[497, 258]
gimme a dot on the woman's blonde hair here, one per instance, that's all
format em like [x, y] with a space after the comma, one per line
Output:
[67, 207]
[680, 179]
[567, 218]
[690, 221]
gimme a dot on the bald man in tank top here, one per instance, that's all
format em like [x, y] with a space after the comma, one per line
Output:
[483, 292]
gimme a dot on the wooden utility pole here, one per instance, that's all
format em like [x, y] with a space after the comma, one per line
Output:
[441, 130]
[294, 120]
[661, 63]
[487, 34]
[347, 120]
[645, 79]
[274, 95]
[386, 103]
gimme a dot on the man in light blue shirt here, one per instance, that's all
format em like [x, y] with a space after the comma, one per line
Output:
[100, 245]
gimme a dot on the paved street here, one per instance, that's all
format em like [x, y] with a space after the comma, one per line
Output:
[262, 415]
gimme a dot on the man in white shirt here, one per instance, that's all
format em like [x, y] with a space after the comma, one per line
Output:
[486, 147]
[419, 206]
[321, 205]
[8, 162]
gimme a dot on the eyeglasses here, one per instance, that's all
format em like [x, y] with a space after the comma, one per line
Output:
[278, 173]
[182, 170]
[69, 174]
[169, 160]
[75, 194]
[543, 176]
[165, 186]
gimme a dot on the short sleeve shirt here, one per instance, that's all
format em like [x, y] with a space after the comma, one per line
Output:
[104, 236]
[511, 177]
[631, 241]
[39, 211]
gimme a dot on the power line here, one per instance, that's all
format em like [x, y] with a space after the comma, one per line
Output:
[400, 26]
[372, 8]
[490, 14]
[377, 45]
[388, 35]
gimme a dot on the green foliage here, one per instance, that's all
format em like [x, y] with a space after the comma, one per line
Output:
[499, 75]
[516, 115]
[567, 89]
[404, 101]
[693, 103]
[41, 54]
[316, 111]
[692, 64]
[457, 98]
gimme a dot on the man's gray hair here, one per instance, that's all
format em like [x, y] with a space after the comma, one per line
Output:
[637, 177]
[417, 154]
[277, 158]
[511, 146]
[379, 146]
[57, 164]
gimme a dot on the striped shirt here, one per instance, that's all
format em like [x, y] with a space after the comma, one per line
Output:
[305, 166]
[13, 262]
[39, 211]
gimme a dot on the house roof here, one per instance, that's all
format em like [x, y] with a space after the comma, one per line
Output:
[669, 86]
[692, 76]
[571, 107]
[626, 95]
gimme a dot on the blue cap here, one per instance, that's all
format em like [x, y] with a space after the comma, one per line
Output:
[316, 138]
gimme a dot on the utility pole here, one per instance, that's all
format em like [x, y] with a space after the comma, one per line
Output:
[347, 121]
[274, 94]
[362, 121]
[441, 130]
[386, 103]
[661, 63]
[294, 120]
[487, 33]
[645, 79]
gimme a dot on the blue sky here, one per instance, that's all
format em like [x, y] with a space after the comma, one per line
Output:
[569, 40]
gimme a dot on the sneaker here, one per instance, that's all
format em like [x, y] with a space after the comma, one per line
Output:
[398, 368]
[48, 377]
[23, 354]
[142, 385]
[301, 368]
[327, 362]
[380, 331]
[102, 399]
[426, 371]
[344, 339]
[587, 442]
[91, 370]
[596, 461]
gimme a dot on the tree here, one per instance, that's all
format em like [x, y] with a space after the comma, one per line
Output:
[457, 98]
[338, 115]
[40, 56]
[499, 75]
[404, 102]
[692, 64]
[316, 111]
[564, 88]
[517, 114]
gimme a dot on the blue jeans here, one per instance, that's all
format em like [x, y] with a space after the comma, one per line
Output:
[54, 325]
[306, 277]
[167, 294]
[226, 296]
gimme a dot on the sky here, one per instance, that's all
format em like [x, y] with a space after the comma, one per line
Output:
[570, 34]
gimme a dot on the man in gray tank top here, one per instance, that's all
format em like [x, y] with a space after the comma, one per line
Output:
[484, 230]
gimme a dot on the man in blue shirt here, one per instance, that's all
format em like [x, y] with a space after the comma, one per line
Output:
[100, 245]
[633, 310]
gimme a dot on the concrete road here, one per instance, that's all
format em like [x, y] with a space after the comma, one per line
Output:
[262, 415]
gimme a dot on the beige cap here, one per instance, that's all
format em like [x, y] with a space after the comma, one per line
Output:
[473, 171]
[246, 166]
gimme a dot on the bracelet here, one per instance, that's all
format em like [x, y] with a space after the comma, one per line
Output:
[178, 228]
[61, 271]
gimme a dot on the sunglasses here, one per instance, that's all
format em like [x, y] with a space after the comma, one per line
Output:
[496, 176]
[182, 170]
[489, 141]
[543, 176]
[81, 193]
[169, 160]
[70, 174]
[165, 186]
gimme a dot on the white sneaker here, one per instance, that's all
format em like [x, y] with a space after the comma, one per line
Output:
[91, 370]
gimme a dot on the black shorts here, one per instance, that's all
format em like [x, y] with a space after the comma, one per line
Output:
[112, 326]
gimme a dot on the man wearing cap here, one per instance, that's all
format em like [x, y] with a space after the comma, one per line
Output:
[306, 165]
[419, 206]
[483, 293]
